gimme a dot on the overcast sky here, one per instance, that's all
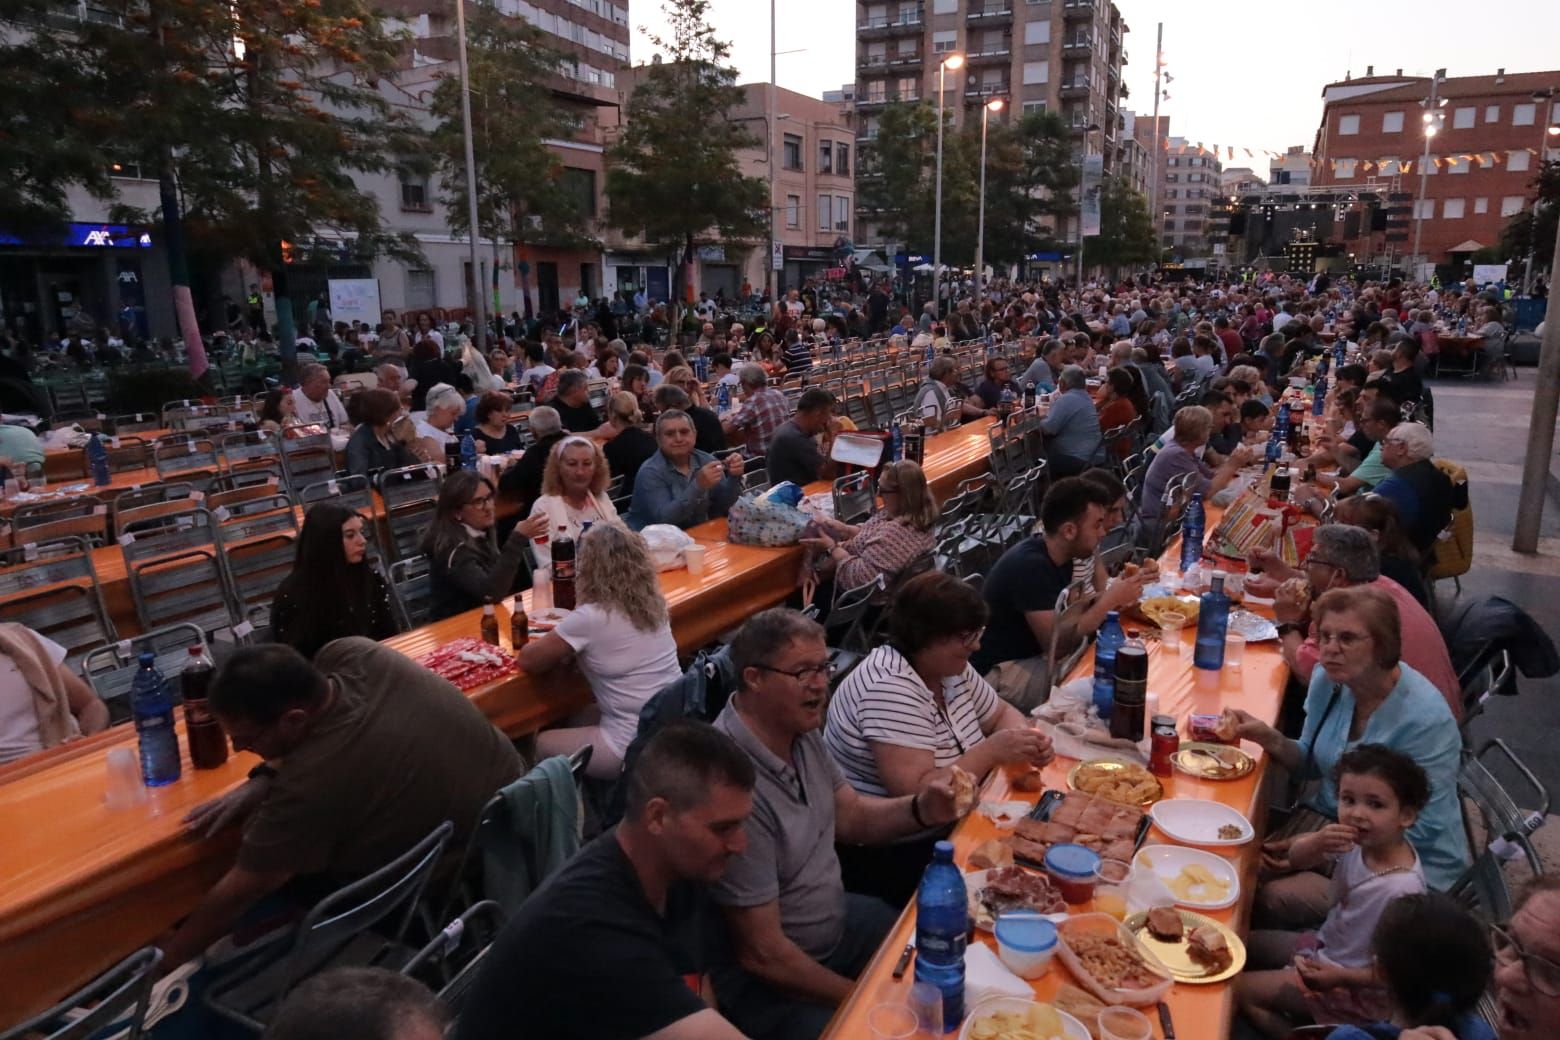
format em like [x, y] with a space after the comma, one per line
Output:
[1245, 75]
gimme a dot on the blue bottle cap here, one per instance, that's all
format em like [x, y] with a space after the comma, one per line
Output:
[1072, 861]
[1025, 930]
[943, 852]
[146, 657]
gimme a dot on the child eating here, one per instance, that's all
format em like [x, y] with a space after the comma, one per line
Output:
[1329, 976]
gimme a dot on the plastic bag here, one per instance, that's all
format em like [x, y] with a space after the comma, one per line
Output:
[760, 520]
[666, 543]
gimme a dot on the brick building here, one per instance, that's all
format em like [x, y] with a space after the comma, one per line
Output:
[1491, 133]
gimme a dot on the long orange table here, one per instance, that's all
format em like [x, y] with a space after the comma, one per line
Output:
[81, 886]
[1200, 1012]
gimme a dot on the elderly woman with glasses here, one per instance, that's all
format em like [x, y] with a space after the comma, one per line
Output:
[852, 555]
[914, 709]
[466, 566]
[1360, 692]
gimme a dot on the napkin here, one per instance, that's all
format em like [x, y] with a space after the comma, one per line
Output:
[985, 977]
[1069, 719]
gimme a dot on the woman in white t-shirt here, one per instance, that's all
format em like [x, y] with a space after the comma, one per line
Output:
[620, 635]
[42, 702]
[574, 492]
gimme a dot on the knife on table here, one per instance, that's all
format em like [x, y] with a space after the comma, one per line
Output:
[1165, 1021]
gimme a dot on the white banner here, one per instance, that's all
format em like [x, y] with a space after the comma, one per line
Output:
[1484, 274]
[1093, 168]
[355, 299]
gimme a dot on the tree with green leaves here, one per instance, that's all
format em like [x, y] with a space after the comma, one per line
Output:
[522, 195]
[1533, 230]
[1126, 231]
[257, 114]
[673, 172]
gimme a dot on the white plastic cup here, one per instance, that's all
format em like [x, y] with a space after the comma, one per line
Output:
[926, 1004]
[693, 556]
[1124, 1023]
[541, 590]
[1234, 650]
[124, 788]
[891, 1022]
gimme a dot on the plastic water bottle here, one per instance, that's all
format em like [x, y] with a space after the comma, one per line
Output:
[1110, 639]
[1192, 533]
[151, 705]
[1274, 448]
[1213, 622]
[896, 437]
[931, 353]
[97, 461]
[1462, 326]
[1029, 396]
[1319, 399]
[942, 927]
[1005, 404]
[468, 453]
[723, 398]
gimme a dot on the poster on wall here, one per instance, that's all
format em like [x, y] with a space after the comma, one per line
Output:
[355, 299]
[1487, 274]
[1093, 169]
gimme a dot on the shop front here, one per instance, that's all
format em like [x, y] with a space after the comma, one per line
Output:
[804, 262]
[86, 277]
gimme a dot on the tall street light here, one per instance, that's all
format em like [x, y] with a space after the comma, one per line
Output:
[1083, 157]
[479, 315]
[1548, 130]
[1432, 118]
[994, 105]
[955, 62]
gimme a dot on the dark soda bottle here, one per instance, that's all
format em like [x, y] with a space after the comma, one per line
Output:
[563, 570]
[208, 743]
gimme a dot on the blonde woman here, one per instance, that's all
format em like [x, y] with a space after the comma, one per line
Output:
[620, 635]
[893, 536]
[574, 492]
[627, 444]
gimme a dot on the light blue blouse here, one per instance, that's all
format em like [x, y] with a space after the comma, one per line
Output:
[1414, 720]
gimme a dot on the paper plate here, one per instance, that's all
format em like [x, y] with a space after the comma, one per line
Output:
[1072, 1028]
[1212, 761]
[1167, 861]
[548, 619]
[1174, 955]
[1196, 821]
[1111, 767]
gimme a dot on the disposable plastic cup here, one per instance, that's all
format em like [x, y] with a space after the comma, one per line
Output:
[124, 788]
[1124, 1023]
[892, 1022]
[926, 1004]
[1234, 650]
[693, 556]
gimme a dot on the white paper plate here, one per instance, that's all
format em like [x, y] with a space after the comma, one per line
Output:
[1165, 862]
[1196, 821]
[1075, 1030]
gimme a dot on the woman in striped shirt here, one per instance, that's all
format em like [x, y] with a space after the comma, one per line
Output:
[915, 708]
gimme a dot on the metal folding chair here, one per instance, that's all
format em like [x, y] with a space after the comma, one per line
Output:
[854, 498]
[111, 669]
[53, 589]
[411, 583]
[83, 516]
[126, 988]
[1505, 826]
[409, 494]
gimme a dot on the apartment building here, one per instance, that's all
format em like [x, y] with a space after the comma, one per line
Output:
[1189, 186]
[1061, 56]
[1486, 137]
[1292, 170]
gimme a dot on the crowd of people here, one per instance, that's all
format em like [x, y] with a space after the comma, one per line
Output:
[770, 849]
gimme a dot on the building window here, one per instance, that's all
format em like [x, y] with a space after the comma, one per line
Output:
[1033, 106]
[414, 195]
[419, 288]
[1511, 205]
[793, 211]
[1424, 209]
[945, 6]
[944, 40]
[1457, 164]
[1481, 205]
[842, 159]
[825, 212]
[1392, 122]
[842, 214]
[1343, 169]
[1172, 193]
[581, 186]
[1492, 113]
[1524, 114]
[1348, 125]
[1452, 209]
[825, 156]
[1037, 32]
[1036, 72]
[1462, 118]
[791, 153]
[1517, 161]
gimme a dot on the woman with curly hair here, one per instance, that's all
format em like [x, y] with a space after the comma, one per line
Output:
[574, 492]
[620, 635]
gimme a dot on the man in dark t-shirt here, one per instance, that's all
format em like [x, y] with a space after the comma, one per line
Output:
[1023, 588]
[793, 452]
[604, 950]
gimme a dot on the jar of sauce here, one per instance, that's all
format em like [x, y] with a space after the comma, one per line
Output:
[1072, 868]
[1164, 741]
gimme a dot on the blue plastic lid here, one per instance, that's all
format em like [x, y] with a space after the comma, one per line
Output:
[1025, 931]
[1072, 861]
[942, 852]
[146, 658]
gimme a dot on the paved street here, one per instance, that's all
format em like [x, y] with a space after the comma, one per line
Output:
[1484, 427]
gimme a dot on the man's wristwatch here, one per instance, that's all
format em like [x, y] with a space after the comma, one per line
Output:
[1286, 627]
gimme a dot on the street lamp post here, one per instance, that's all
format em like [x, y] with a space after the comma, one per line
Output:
[1432, 118]
[955, 62]
[994, 105]
[1083, 157]
[479, 315]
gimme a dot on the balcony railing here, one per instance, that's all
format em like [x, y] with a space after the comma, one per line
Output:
[989, 12]
[889, 97]
[889, 23]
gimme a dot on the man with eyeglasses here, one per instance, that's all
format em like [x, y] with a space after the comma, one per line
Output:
[1341, 556]
[798, 938]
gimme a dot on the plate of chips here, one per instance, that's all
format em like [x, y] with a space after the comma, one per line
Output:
[1124, 782]
[1155, 609]
[1200, 880]
[1017, 1018]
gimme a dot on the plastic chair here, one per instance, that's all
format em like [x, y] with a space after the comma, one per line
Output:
[335, 932]
[126, 988]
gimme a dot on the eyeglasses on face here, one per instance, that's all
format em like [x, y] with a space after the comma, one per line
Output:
[1347, 640]
[1541, 972]
[804, 674]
